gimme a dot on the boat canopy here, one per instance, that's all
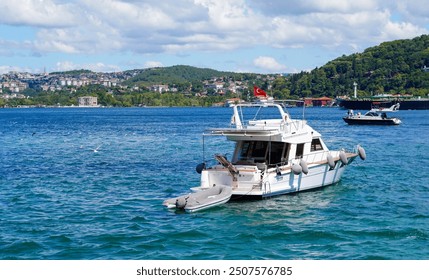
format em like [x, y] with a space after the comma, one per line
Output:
[263, 119]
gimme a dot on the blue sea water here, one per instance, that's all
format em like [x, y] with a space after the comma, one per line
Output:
[80, 183]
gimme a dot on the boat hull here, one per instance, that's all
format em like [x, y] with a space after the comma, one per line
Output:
[249, 186]
[287, 183]
[362, 121]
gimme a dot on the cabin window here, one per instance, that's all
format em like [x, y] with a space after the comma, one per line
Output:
[316, 145]
[299, 151]
[259, 149]
[244, 150]
[286, 153]
[253, 149]
[276, 152]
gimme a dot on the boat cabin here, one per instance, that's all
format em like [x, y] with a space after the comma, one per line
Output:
[269, 138]
[271, 154]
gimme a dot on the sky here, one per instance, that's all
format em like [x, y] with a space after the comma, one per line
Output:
[258, 36]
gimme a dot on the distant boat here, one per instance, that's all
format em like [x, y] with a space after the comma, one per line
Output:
[407, 103]
[376, 116]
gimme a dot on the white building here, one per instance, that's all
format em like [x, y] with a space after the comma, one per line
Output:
[88, 101]
[159, 88]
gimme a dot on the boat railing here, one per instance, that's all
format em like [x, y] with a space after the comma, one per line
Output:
[315, 156]
[288, 127]
[293, 126]
[264, 123]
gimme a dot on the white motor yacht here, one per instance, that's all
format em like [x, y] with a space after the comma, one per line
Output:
[376, 116]
[274, 155]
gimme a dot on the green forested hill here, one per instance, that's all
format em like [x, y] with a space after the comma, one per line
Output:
[180, 75]
[184, 78]
[391, 67]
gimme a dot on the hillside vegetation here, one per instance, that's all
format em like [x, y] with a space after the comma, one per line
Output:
[183, 77]
[177, 74]
[391, 67]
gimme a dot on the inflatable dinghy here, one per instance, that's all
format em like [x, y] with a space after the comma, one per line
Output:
[201, 200]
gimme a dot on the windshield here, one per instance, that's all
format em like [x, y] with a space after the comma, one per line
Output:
[258, 113]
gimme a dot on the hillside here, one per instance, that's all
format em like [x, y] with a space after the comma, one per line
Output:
[391, 67]
[180, 74]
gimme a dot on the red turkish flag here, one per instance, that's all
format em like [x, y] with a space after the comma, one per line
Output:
[259, 92]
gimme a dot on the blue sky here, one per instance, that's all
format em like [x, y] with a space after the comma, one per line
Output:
[260, 36]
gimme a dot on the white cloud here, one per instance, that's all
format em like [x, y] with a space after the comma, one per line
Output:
[152, 64]
[349, 26]
[269, 64]
[95, 67]
[7, 69]
[400, 30]
[415, 12]
[229, 15]
[129, 14]
[66, 66]
[46, 13]
[184, 27]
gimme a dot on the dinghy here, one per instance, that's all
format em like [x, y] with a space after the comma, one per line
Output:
[200, 200]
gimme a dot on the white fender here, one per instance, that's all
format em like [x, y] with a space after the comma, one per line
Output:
[304, 166]
[296, 168]
[331, 161]
[343, 158]
[361, 152]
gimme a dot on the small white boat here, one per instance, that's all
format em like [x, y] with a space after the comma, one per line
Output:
[376, 116]
[201, 199]
[274, 155]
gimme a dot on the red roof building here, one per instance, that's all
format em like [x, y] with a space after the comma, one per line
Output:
[318, 102]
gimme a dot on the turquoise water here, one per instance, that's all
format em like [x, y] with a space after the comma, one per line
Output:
[88, 184]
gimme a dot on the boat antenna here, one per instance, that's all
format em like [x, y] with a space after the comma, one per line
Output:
[204, 152]
[241, 114]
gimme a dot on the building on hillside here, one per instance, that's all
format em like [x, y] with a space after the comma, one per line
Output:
[159, 88]
[318, 102]
[14, 86]
[88, 101]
